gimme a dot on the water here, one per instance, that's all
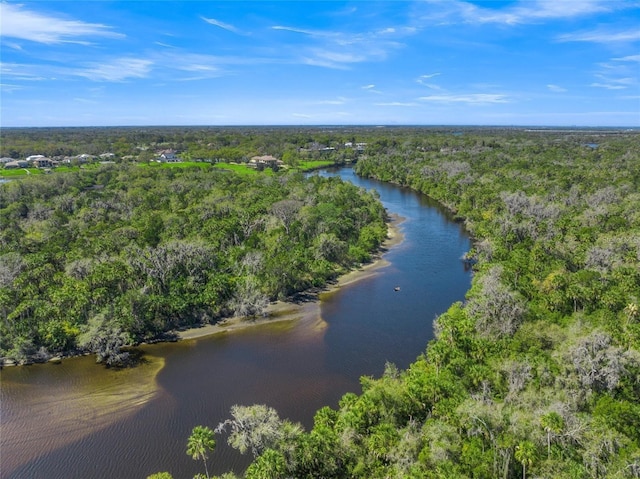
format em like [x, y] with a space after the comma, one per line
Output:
[78, 420]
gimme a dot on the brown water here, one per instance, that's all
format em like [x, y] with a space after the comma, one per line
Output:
[78, 420]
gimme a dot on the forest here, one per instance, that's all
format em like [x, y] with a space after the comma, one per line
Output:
[212, 144]
[535, 374]
[107, 257]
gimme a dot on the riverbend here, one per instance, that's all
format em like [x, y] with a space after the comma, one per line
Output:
[76, 419]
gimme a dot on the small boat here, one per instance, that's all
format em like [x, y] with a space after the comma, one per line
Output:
[397, 288]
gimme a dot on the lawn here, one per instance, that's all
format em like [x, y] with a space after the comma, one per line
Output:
[241, 169]
[19, 172]
[235, 167]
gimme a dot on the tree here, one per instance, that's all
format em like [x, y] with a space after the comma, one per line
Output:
[257, 428]
[525, 454]
[290, 158]
[105, 337]
[160, 475]
[248, 300]
[201, 441]
[286, 211]
[552, 423]
[270, 465]
[600, 365]
[498, 310]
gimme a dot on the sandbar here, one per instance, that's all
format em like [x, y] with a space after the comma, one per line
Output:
[307, 308]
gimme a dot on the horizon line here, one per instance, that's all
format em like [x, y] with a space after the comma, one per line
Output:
[339, 125]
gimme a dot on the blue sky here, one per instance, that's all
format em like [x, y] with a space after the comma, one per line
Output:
[428, 62]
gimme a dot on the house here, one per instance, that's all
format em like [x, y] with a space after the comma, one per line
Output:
[16, 164]
[265, 161]
[34, 157]
[44, 163]
[168, 156]
[357, 146]
[5, 160]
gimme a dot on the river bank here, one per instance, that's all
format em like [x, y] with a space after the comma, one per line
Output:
[308, 307]
[297, 366]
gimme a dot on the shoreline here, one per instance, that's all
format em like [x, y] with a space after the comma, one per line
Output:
[309, 307]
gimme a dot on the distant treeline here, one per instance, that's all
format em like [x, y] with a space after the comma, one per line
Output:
[241, 143]
[102, 258]
[230, 144]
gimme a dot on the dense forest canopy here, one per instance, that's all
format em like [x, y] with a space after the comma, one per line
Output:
[535, 374]
[111, 256]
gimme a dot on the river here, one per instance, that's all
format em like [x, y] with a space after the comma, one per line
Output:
[79, 420]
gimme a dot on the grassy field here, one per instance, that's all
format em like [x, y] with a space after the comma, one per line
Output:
[235, 167]
[182, 164]
[241, 169]
[19, 172]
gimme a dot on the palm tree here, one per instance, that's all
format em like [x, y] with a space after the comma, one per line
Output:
[552, 423]
[525, 453]
[199, 442]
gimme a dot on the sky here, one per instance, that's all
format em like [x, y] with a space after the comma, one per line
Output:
[423, 62]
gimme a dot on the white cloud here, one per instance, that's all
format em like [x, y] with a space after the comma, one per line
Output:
[16, 22]
[340, 50]
[571, 9]
[422, 81]
[299, 30]
[629, 58]
[556, 88]
[617, 75]
[190, 62]
[8, 88]
[218, 23]
[339, 101]
[340, 58]
[609, 86]
[85, 101]
[118, 70]
[602, 36]
[166, 45]
[317, 62]
[14, 46]
[552, 9]
[522, 12]
[395, 103]
[371, 89]
[426, 77]
[472, 98]
[21, 72]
